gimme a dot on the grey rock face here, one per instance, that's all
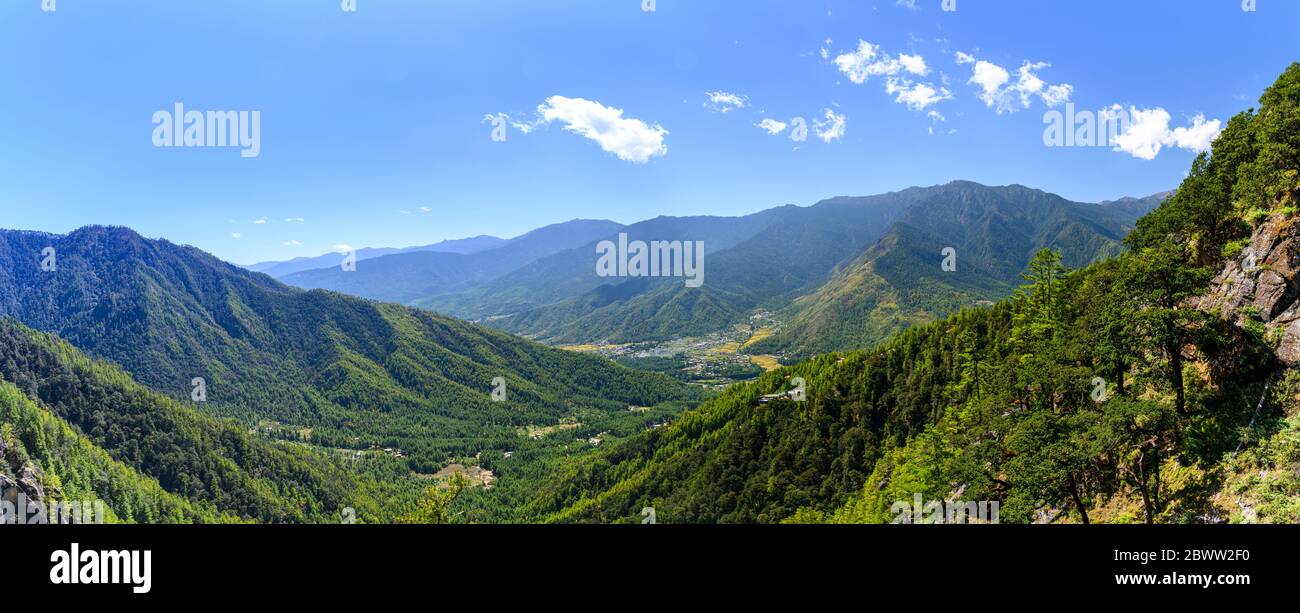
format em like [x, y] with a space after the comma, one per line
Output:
[1261, 283]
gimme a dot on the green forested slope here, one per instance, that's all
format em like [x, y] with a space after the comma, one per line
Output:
[100, 435]
[318, 367]
[898, 282]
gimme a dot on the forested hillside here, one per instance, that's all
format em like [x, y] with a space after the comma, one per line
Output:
[314, 367]
[1151, 387]
[993, 232]
[86, 431]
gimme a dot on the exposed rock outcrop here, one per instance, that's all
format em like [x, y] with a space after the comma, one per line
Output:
[9, 491]
[29, 480]
[1261, 283]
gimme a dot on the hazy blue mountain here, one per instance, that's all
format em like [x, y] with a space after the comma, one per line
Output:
[831, 257]
[407, 277]
[572, 272]
[850, 269]
[462, 246]
[793, 253]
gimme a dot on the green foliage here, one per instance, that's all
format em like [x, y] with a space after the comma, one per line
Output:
[77, 470]
[435, 506]
[214, 465]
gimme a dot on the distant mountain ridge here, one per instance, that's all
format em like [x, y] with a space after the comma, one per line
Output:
[464, 246]
[407, 277]
[778, 259]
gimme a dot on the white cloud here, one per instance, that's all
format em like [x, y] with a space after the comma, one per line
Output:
[917, 96]
[425, 209]
[292, 243]
[772, 126]
[344, 248]
[258, 222]
[1199, 136]
[999, 92]
[1145, 134]
[1056, 95]
[869, 61]
[631, 140]
[1148, 132]
[914, 64]
[866, 62]
[525, 127]
[294, 220]
[909, 4]
[831, 128]
[236, 235]
[724, 102]
[990, 77]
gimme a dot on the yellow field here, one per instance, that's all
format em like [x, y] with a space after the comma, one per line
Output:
[724, 349]
[579, 348]
[766, 362]
[758, 335]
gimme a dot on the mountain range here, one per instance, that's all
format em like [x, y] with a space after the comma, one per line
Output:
[845, 272]
[462, 246]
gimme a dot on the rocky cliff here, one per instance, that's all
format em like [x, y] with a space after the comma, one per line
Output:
[1261, 285]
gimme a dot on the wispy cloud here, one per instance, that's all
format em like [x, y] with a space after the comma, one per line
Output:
[868, 61]
[831, 127]
[772, 126]
[1001, 93]
[724, 102]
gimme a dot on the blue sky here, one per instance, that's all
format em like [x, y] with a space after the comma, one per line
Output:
[373, 131]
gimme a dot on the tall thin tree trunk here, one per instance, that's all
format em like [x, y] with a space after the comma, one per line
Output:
[1176, 377]
[1078, 500]
[1142, 476]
